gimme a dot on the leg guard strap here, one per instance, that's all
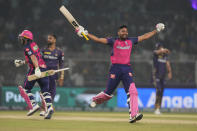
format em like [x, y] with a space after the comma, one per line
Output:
[47, 99]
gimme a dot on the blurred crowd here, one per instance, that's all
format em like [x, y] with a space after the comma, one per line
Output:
[102, 18]
[99, 17]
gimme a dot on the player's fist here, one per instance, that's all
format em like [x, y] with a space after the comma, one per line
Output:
[19, 63]
[160, 27]
[81, 30]
[37, 72]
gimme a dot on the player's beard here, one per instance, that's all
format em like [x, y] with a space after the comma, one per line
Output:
[123, 37]
[49, 44]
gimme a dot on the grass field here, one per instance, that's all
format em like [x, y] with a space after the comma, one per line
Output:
[96, 121]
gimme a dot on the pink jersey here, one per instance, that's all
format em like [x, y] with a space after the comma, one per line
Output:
[121, 50]
[33, 49]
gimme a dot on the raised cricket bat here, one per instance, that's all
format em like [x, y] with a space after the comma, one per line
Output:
[71, 19]
[45, 74]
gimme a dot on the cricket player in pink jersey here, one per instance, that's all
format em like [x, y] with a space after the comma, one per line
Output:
[121, 68]
[36, 64]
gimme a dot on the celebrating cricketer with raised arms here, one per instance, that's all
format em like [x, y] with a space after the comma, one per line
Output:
[121, 70]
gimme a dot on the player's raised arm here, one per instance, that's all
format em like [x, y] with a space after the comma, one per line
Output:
[81, 30]
[96, 39]
[159, 27]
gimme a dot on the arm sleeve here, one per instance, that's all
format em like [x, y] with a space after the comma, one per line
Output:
[134, 40]
[28, 51]
[110, 41]
[42, 52]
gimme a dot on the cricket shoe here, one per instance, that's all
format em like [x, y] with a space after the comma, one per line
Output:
[33, 110]
[157, 112]
[42, 113]
[92, 104]
[138, 117]
[49, 113]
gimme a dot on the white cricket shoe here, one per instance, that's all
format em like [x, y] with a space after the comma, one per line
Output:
[33, 110]
[49, 113]
[157, 112]
[42, 113]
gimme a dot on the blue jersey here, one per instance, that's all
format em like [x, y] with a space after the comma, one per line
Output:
[53, 59]
[159, 63]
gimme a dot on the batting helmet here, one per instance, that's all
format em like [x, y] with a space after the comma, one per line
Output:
[27, 34]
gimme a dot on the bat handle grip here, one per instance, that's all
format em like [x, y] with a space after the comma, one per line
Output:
[85, 36]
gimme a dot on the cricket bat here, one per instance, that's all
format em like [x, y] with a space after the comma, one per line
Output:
[71, 19]
[45, 74]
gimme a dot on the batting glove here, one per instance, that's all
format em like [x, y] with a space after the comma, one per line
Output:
[37, 72]
[160, 27]
[81, 30]
[19, 63]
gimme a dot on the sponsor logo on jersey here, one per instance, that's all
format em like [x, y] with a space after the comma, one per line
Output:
[50, 57]
[47, 53]
[29, 53]
[123, 48]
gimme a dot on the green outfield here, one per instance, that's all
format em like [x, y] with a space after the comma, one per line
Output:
[96, 121]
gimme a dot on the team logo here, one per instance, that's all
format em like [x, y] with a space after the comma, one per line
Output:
[112, 76]
[35, 48]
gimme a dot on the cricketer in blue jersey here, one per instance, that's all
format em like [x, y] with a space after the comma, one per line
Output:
[161, 66]
[54, 59]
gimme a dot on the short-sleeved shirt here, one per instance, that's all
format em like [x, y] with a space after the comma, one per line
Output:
[159, 63]
[121, 49]
[30, 49]
[53, 59]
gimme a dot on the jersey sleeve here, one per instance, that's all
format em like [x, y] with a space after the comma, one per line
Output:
[61, 59]
[42, 52]
[110, 41]
[134, 40]
[167, 58]
[154, 52]
[28, 51]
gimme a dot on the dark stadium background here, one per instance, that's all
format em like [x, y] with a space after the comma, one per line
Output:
[90, 61]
